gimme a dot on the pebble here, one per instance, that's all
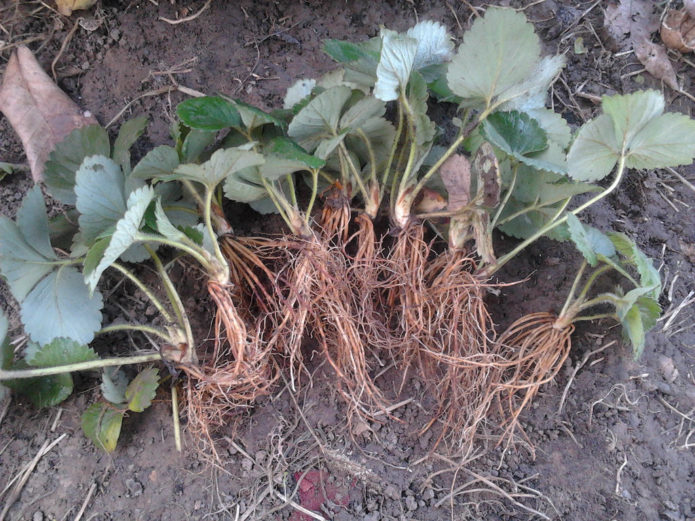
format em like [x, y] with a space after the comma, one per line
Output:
[134, 487]
[411, 503]
[392, 492]
[38, 516]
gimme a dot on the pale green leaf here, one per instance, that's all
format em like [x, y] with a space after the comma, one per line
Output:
[195, 143]
[425, 129]
[125, 234]
[637, 314]
[60, 305]
[245, 186]
[101, 198]
[327, 146]
[164, 225]
[67, 156]
[396, 62]
[499, 51]
[299, 91]
[554, 125]
[128, 134]
[253, 117]
[589, 241]
[357, 115]
[532, 92]
[545, 187]
[142, 389]
[668, 140]
[594, 152]
[113, 385]
[157, 163]
[319, 119]
[101, 423]
[649, 275]
[434, 43]
[221, 165]
[631, 112]
[33, 223]
[46, 391]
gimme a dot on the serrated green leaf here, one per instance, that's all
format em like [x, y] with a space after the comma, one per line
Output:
[319, 119]
[142, 389]
[631, 112]
[515, 133]
[546, 188]
[128, 134]
[245, 186]
[434, 43]
[158, 162]
[529, 222]
[347, 52]
[125, 234]
[46, 391]
[594, 152]
[498, 52]
[357, 115]
[101, 423]
[287, 149]
[60, 305]
[396, 62]
[532, 92]
[208, 113]
[556, 128]
[101, 198]
[589, 241]
[164, 225]
[195, 143]
[327, 146]
[668, 140]
[25, 253]
[60, 351]
[637, 314]
[649, 275]
[221, 165]
[298, 92]
[67, 156]
[253, 117]
[425, 129]
[113, 385]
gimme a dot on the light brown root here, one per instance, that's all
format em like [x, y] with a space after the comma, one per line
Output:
[335, 215]
[535, 350]
[237, 371]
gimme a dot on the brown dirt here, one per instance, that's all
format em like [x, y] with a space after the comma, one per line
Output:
[618, 450]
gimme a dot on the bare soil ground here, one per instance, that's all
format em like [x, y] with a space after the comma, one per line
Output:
[621, 448]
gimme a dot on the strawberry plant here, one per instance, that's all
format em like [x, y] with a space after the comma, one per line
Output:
[363, 277]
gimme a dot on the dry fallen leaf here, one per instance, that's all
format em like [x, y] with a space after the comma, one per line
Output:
[40, 113]
[66, 7]
[629, 21]
[456, 175]
[655, 60]
[487, 171]
[678, 30]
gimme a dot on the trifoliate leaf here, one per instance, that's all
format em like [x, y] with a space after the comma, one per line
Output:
[515, 133]
[356, 116]
[60, 305]
[101, 198]
[128, 134]
[434, 43]
[61, 351]
[221, 165]
[635, 127]
[195, 143]
[498, 52]
[253, 117]
[594, 152]
[396, 62]
[157, 163]
[319, 119]
[208, 113]
[637, 314]
[46, 391]
[66, 158]
[101, 423]
[299, 90]
[142, 389]
[589, 241]
[25, 253]
[649, 275]
[113, 385]
[125, 234]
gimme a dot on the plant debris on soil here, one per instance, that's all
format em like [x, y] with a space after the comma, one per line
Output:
[610, 438]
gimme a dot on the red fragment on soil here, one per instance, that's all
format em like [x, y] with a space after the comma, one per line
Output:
[315, 490]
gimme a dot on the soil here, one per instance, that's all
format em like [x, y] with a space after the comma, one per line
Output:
[621, 448]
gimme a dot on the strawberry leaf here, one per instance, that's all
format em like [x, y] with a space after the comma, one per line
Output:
[142, 389]
[101, 423]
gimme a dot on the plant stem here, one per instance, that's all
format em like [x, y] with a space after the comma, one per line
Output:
[209, 192]
[314, 193]
[279, 202]
[435, 167]
[193, 249]
[573, 289]
[370, 153]
[36, 372]
[353, 169]
[150, 295]
[392, 154]
[175, 417]
[591, 280]
[555, 222]
[507, 196]
[137, 327]
[594, 317]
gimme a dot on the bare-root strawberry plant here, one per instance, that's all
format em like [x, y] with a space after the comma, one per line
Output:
[388, 249]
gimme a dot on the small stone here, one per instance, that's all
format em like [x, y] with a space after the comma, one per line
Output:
[372, 516]
[134, 487]
[411, 503]
[246, 464]
[392, 492]
[38, 516]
